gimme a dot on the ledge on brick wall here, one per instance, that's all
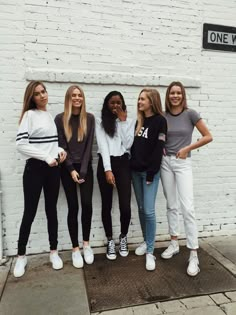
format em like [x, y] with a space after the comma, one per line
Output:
[107, 78]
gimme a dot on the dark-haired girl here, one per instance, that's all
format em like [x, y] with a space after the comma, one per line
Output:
[115, 134]
[176, 171]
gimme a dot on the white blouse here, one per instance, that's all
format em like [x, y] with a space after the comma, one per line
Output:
[119, 144]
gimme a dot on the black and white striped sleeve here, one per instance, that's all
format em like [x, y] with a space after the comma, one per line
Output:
[29, 146]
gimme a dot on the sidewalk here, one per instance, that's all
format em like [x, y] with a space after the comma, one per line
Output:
[44, 291]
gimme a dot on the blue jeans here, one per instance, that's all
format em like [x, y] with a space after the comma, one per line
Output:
[146, 197]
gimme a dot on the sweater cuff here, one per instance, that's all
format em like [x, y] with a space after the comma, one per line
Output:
[107, 168]
[49, 159]
[149, 177]
[82, 176]
[70, 168]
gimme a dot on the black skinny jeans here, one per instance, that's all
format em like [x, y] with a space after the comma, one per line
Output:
[86, 193]
[39, 175]
[121, 169]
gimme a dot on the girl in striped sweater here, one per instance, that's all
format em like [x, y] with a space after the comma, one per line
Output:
[37, 141]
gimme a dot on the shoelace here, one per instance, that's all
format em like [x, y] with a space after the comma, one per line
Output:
[123, 244]
[111, 247]
[194, 260]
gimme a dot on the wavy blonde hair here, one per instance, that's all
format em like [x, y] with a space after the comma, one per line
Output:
[82, 130]
[155, 101]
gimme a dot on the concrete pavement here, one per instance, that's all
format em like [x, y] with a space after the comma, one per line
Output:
[45, 291]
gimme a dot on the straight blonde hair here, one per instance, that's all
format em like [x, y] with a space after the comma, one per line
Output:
[82, 129]
[155, 101]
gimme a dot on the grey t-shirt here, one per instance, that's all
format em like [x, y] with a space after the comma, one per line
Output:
[180, 130]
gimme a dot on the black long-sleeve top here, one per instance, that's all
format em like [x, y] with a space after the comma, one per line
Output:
[77, 152]
[147, 149]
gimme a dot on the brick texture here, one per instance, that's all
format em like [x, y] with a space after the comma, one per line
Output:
[122, 45]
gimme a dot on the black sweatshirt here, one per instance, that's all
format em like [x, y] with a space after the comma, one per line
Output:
[77, 152]
[147, 149]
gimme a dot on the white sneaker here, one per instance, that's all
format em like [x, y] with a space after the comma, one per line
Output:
[19, 268]
[56, 261]
[77, 259]
[171, 250]
[88, 255]
[123, 246]
[141, 249]
[193, 268]
[150, 262]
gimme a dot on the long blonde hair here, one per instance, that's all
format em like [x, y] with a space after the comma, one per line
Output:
[28, 102]
[82, 130]
[155, 101]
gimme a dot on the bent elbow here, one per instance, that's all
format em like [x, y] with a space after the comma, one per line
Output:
[210, 138]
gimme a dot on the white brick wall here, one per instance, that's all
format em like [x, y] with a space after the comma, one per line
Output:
[121, 45]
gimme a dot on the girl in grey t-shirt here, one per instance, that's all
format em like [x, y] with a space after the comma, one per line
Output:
[176, 170]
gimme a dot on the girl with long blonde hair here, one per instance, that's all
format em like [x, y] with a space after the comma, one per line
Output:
[76, 132]
[146, 156]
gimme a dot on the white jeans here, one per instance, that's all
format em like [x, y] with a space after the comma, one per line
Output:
[177, 182]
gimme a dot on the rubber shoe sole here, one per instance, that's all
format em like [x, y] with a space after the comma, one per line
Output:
[113, 257]
[170, 256]
[193, 274]
[123, 253]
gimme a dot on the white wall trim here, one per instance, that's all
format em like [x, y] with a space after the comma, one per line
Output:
[107, 78]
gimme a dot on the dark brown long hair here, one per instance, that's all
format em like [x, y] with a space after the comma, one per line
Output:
[28, 102]
[167, 100]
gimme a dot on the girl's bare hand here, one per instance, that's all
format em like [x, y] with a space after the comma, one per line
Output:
[81, 181]
[53, 163]
[62, 156]
[120, 113]
[182, 153]
[110, 178]
[75, 176]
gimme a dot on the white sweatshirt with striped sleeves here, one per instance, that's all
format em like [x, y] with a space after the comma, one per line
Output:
[37, 136]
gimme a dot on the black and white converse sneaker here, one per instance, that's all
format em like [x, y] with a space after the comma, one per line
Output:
[111, 250]
[123, 247]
